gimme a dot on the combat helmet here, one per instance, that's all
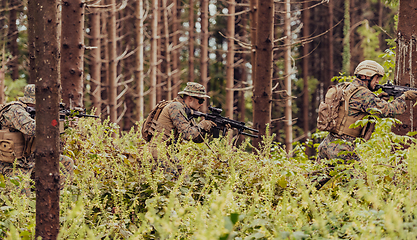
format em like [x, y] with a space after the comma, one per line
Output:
[195, 90]
[369, 68]
[29, 94]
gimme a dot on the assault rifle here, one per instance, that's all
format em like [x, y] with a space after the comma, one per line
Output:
[63, 112]
[393, 90]
[222, 122]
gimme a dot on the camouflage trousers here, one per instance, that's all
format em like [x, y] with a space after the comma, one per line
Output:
[331, 149]
[28, 167]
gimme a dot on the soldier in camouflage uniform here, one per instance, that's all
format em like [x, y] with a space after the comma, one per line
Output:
[15, 118]
[175, 118]
[368, 73]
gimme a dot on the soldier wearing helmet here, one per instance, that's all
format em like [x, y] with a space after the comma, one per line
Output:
[367, 73]
[175, 118]
[17, 138]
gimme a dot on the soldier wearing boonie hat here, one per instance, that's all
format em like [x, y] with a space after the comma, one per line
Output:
[18, 126]
[174, 117]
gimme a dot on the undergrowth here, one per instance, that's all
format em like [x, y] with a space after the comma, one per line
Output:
[217, 191]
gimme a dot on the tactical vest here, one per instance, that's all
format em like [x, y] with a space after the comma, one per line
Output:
[344, 120]
[13, 144]
[151, 125]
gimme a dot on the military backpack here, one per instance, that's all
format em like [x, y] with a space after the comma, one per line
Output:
[147, 133]
[333, 111]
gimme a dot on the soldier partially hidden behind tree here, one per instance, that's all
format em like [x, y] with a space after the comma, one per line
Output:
[173, 117]
[368, 73]
[17, 139]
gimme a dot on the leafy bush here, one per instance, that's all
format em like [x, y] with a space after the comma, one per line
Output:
[222, 192]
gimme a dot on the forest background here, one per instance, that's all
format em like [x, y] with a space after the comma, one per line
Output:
[124, 57]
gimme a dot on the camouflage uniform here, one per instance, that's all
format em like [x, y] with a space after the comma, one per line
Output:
[360, 103]
[15, 117]
[175, 119]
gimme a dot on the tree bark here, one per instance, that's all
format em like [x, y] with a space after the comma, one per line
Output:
[175, 51]
[262, 92]
[12, 40]
[139, 73]
[191, 42]
[31, 40]
[47, 119]
[253, 4]
[154, 56]
[95, 65]
[72, 53]
[111, 30]
[230, 59]
[406, 60]
[167, 50]
[306, 63]
[204, 48]
[287, 73]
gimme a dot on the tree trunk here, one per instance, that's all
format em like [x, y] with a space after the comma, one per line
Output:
[12, 40]
[111, 30]
[306, 62]
[72, 53]
[191, 42]
[154, 51]
[230, 59]
[253, 19]
[31, 40]
[346, 40]
[406, 60]
[331, 51]
[287, 73]
[204, 48]
[175, 51]
[47, 119]
[95, 66]
[167, 50]
[262, 92]
[139, 59]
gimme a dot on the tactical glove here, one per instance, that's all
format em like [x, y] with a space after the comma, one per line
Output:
[410, 95]
[207, 125]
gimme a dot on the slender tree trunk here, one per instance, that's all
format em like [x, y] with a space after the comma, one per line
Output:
[139, 59]
[230, 59]
[287, 73]
[105, 66]
[167, 50]
[191, 42]
[95, 66]
[31, 39]
[111, 30]
[175, 51]
[154, 51]
[253, 22]
[306, 63]
[331, 51]
[406, 60]
[12, 39]
[346, 40]
[72, 53]
[47, 119]
[262, 93]
[204, 48]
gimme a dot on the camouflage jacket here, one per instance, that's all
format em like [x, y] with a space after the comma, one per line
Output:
[174, 119]
[363, 100]
[16, 117]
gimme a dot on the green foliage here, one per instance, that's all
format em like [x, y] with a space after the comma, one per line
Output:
[370, 41]
[14, 89]
[222, 192]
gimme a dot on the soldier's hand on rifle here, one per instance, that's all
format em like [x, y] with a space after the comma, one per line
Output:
[207, 125]
[410, 95]
[383, 96]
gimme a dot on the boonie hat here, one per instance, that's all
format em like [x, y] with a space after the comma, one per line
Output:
[195, 90]
[29, 94]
